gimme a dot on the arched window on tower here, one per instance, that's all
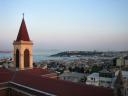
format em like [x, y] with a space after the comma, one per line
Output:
[26, 58]
[17, 58]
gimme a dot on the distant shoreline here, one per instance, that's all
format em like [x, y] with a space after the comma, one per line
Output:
[5, 51]
[85, 53]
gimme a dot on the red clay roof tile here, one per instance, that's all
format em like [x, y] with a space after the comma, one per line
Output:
[57, 87]
[23, 33]
[60, 87]
[5, 75]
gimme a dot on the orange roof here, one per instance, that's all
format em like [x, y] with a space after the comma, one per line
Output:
[5, 75]
[57, 87]
[37, 71]
[23, 33]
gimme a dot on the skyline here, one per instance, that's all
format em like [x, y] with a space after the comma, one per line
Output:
[67, 24]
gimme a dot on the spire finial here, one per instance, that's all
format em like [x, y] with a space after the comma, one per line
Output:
[23, 15]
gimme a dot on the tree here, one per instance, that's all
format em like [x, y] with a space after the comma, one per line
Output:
[95, 69]
[82, 70]
[70, 69]
[83, 79]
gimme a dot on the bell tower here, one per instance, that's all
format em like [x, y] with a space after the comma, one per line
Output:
[23, 58]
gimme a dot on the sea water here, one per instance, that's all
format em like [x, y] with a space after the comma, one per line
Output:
[40, 56]
[37, 56]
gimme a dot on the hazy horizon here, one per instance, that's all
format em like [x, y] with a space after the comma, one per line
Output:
[67, 24]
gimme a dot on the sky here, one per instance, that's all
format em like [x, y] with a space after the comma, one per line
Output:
[66, 24]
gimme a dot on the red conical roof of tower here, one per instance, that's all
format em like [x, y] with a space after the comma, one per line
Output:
[23, 33]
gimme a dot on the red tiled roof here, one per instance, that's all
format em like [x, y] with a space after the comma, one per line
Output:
[23, 33]
[41, 72]
[38, 71]
[57, 87]
[5, 75]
